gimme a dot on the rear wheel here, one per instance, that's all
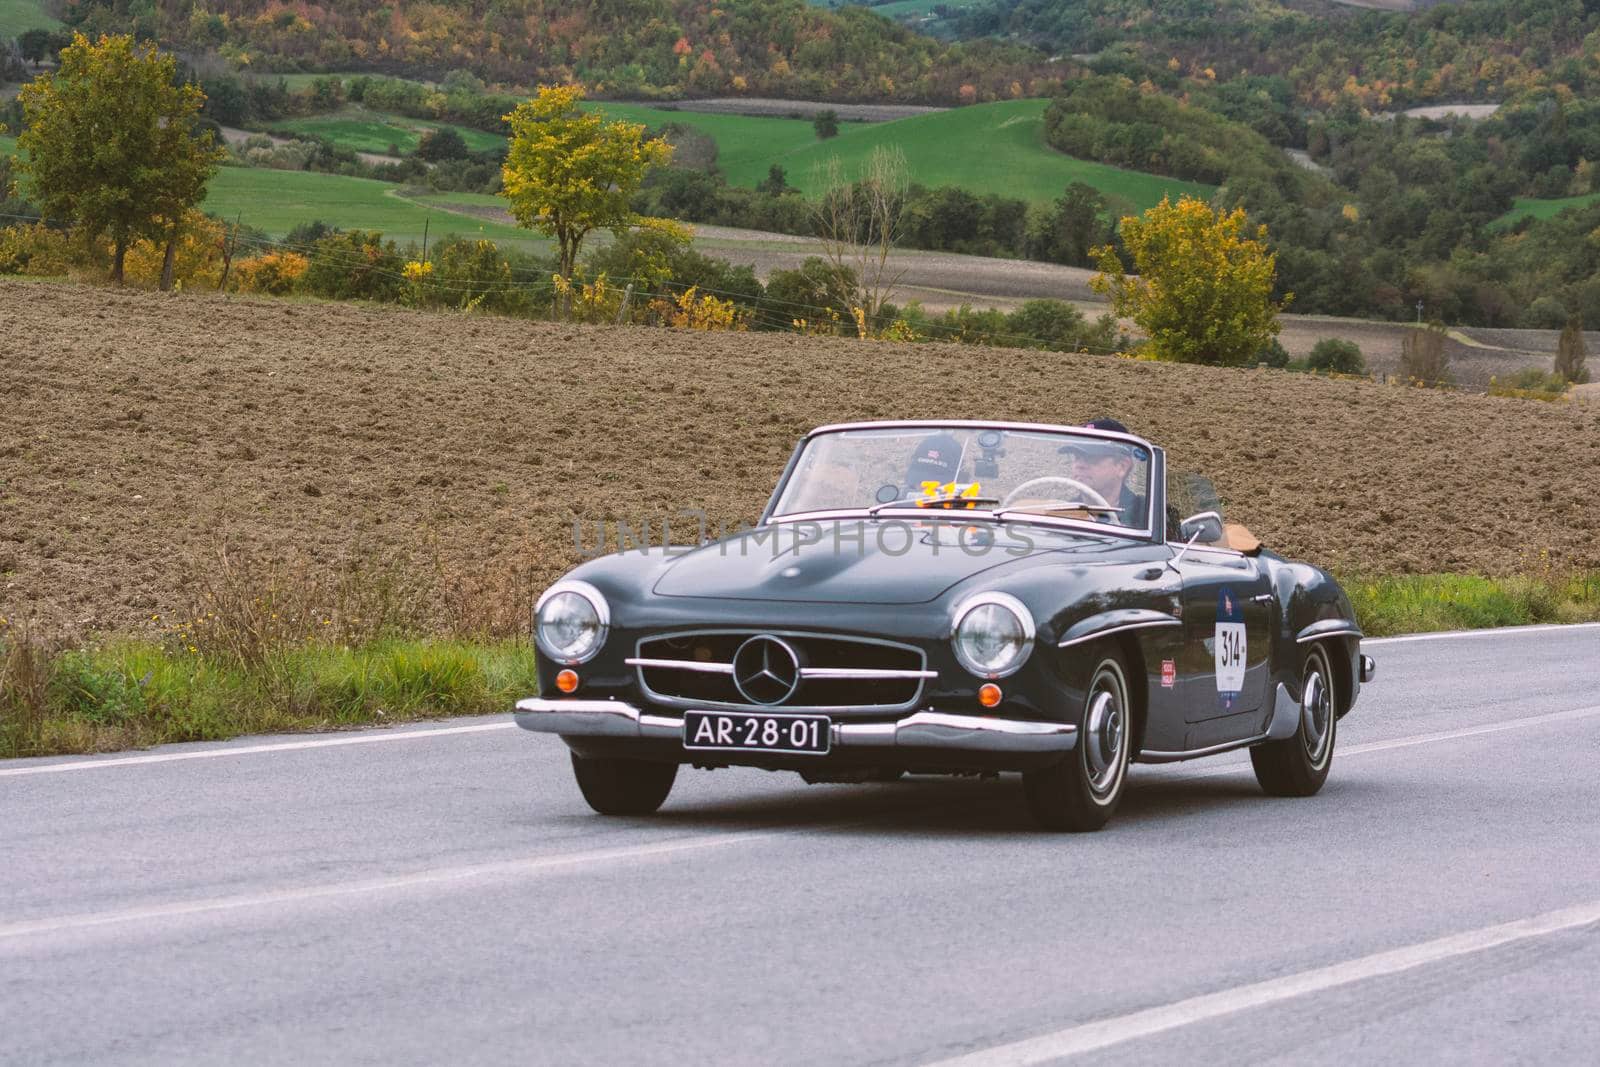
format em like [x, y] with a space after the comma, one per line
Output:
[623, 786]
[1297, 766]
[1081, 792]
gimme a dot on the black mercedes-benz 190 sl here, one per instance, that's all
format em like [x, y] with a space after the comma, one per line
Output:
[952, 597]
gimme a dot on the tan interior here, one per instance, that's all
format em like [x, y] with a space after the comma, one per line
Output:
[1236, 537]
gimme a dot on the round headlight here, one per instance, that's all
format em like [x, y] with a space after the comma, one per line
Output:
[571, 621]
[993, 634]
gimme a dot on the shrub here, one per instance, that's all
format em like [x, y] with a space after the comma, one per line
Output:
[1058, 325]
[38, 250]
[1572, 353]
[1545, 313]
[1530, 384]
[356, 265]
[275, 273]
[815, 292]
[471, 274]
[1337, 356]
[826, 123]
[440, 144]
[1273, 354]
[1422, 356]
[197, 259]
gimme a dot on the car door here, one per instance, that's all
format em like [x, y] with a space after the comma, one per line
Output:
[1227, 620]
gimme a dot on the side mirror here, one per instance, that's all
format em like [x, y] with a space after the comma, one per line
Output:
[1206, 527]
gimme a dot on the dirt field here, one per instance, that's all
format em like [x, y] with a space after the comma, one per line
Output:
[143, 431]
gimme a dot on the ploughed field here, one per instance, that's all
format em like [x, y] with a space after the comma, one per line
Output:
[143, 434]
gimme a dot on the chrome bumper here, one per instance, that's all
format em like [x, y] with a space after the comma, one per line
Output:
[923, 729]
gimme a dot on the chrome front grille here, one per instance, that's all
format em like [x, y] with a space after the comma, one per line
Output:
[697, 669]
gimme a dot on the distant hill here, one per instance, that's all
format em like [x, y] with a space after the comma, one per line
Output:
[621, 48]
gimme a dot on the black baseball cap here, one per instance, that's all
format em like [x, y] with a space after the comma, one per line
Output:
[935, 459]
[1090, 448]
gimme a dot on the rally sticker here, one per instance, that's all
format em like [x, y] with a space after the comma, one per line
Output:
[1169, 673]
[1230, 647]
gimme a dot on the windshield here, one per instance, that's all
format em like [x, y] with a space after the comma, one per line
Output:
[1047, 472]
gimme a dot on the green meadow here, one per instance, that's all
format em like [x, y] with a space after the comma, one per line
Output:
[1529, 207]
[19, 16]
[372, 131]
[995, 147]
[278, 200]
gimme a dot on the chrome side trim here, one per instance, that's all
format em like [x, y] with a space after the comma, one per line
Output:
[1114, 623]
[1328, 628]
[681, 665]
[925, 729]
[975, 733]
[1149, 756]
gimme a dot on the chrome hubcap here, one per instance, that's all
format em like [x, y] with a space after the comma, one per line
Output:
[1316, 713]
[1106, 735]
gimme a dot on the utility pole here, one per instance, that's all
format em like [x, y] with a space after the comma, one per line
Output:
[1419, 313]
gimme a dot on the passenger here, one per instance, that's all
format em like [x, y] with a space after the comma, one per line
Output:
[936, 459]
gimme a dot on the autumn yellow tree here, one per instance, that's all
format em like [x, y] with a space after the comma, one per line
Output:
[1202, 287]
[569, 173]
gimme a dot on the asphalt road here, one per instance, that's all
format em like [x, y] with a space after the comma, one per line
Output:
[442, 894]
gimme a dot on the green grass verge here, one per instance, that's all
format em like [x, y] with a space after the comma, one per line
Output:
[129, 692]
[19, 16]
[374, 131]
[1428, 603]
[278, 200]
[136, 692]
[1543, 210]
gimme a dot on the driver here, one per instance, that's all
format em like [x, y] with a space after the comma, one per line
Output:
[1104, 466]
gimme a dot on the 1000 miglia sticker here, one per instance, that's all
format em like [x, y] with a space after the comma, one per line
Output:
[1230, 647]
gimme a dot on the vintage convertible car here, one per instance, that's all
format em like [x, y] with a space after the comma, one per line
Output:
[951, 598]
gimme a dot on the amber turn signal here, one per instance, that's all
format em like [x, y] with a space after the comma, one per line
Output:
[567, 681]
[989, 694]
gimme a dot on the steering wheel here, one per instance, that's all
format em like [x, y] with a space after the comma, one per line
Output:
[1084, 492]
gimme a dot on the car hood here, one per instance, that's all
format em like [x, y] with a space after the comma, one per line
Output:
[893, 563]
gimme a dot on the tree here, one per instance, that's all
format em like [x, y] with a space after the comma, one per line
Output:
[826, 123]
[445, 142]
[111, 143]
[569, 173]
[1572, 353]
[1203, 292]
[36, 44]
[776, 182]
[1337, 356]
[858, 224]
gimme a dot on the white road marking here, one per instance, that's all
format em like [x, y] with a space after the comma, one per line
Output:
[250, 750]
[1422, 739]
[1103, 1033]
[1502, 631]
[438, 875]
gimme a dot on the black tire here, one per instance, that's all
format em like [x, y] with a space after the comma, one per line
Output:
[1081, 791]
[1297, 766]
[623, 786]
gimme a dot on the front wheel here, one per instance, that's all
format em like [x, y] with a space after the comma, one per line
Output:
[623, 786]
[1081, 792]
[1297, 766]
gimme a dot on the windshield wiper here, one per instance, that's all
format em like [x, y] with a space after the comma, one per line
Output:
[932, 503]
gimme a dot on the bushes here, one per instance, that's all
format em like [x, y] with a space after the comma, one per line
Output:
[357, 265]
[1336, 356]
[38, 250]
[273, 274]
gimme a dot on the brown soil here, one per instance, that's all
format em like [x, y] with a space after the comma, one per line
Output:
[142, 431]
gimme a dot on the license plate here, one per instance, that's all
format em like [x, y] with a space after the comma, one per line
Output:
[730, 731]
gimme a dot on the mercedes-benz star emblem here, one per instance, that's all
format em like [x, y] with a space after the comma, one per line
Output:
[766, 670]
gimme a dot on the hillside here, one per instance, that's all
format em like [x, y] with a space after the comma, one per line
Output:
[146, 431]
[656, 48]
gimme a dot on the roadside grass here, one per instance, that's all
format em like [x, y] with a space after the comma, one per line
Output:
[278, 200]
[1429, 603]
[209, 680]
[375, 131]
[19, 16]
[133, 692]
